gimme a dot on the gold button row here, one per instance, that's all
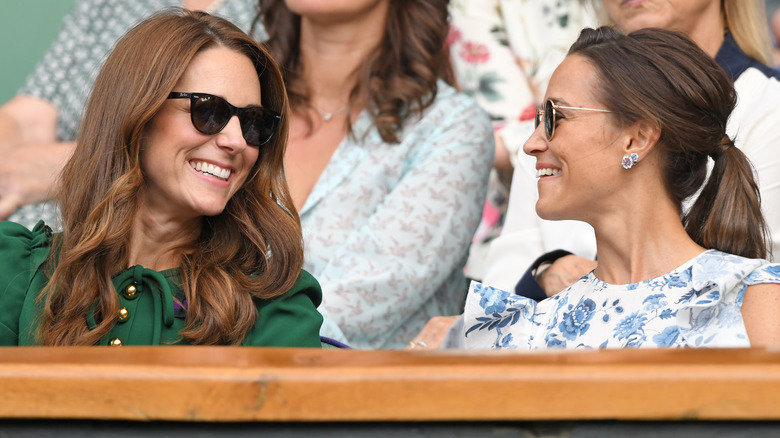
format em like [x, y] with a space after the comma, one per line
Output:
[123, 314]
[130, 292]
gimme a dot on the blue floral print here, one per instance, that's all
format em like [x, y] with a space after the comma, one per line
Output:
[655, 302]
[499, 311]
[696, 305]
[631, 326]
[554, 342]
[493, 302]
[575, 322]
[668, 337]
[681, 279]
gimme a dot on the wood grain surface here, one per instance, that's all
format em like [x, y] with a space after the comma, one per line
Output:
[274, 384]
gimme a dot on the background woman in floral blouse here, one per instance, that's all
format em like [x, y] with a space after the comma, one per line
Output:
[387, 163]
[623, 138]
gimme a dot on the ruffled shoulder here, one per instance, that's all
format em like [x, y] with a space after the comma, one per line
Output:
[710, 311]
[23, 252]
[19, 243]
[290, 320]
[726, 271]
[494, 318]
[718, 276]
[766, 273]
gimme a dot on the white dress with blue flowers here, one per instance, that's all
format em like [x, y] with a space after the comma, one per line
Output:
[696, 305]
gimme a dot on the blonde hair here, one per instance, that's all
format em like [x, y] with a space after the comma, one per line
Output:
[745, 19]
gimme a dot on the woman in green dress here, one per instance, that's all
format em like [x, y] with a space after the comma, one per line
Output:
[178, 226]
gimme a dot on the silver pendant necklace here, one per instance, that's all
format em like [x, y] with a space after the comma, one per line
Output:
[327, 117]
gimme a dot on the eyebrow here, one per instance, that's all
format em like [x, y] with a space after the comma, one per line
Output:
[560, 101]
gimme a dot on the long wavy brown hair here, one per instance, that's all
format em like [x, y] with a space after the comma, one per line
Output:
[253, 249]
[663, 77]
[397, 80]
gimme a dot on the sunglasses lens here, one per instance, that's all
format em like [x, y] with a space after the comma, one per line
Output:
[209, 114]
[257, 125]
[267, 127]
[549, 118]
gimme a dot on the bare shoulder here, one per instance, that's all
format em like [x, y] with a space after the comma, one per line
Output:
[761, 311]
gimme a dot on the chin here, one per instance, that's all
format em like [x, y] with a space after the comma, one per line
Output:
[641, 22]
[211, 209]
[548, 212]
[543, 213]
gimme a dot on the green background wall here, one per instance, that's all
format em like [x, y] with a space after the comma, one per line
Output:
[27, 29]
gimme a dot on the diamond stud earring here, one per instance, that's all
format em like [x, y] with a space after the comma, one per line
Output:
[630, 161]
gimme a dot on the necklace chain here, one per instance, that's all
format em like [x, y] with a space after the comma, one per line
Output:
[327, 117]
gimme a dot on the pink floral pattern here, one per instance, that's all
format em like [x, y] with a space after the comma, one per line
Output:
[504, 52]
[474, 53]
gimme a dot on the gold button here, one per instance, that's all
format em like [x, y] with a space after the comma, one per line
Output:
[123, 314]
[116, 342]
[131, 291]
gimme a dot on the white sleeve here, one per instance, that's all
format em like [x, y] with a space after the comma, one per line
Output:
[755, 125]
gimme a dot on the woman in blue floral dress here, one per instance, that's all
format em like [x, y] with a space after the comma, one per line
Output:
[625, 135]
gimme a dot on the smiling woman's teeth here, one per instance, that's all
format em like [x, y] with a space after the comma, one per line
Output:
[210, 169]
[547, 172]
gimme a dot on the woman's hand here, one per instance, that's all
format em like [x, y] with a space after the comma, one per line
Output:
[501, 160]
[564, 272]
[432, 335]
[30, 157]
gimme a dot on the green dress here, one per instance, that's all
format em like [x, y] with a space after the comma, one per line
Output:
[149, 315]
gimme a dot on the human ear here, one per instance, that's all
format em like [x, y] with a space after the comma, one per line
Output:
[643, 137]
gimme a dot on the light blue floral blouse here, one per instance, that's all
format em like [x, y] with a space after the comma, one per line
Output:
[387, 227]
[696, 305]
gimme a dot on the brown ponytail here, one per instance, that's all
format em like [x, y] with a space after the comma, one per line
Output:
[727, 215]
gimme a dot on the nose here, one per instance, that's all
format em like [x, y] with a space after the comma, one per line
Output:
[231, 138]
[536, 143]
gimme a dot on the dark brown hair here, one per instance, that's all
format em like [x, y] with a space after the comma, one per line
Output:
[397, 80]
[253, 249]
[663, 77]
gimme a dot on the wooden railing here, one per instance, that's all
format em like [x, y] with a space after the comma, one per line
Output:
[250, 384]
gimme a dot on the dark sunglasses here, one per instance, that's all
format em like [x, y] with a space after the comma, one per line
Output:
[210, 114]
[549, 115]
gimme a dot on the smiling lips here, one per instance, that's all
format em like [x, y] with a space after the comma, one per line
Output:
[546, 171]
[210, 169]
